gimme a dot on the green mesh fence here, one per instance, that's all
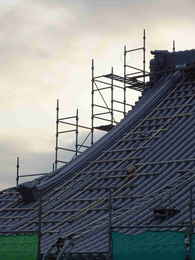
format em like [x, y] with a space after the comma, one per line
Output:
[150, 246]
[18, 247]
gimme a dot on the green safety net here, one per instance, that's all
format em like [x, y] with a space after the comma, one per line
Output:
[150, 246]
[18, 247]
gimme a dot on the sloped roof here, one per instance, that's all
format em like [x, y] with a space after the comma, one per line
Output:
[157, 139]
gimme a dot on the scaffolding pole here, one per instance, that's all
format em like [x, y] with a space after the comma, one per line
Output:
[39, 226]
[125, 73]
[112, 98]
[191, 221]
[110, 222]
[92, 102]
[57, 130]
[144, 57]
[173, 45]
[17, 171]
[77, 133]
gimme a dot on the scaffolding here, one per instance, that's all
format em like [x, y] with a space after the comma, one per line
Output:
[133, 78]
[18, 175]
[106, 108]
[73, 123]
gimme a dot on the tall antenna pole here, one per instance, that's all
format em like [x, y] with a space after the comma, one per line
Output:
[125, 67]
[17, 171]
[144, 56]
[57, 128]
[92, 102]
[173, 45]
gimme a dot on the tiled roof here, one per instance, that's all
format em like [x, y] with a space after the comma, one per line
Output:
[156, 138]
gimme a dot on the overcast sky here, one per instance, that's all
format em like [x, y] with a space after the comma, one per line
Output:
[46, 47]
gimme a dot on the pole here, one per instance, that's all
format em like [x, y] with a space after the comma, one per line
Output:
[124, 87]
[57, 128]
[92, 102]
[144, 56]
[112, 98]
[191, 222]
[189, 231]
[17, 171]
[39, 225]
[173, 45]
[77, 131]
[110, 223]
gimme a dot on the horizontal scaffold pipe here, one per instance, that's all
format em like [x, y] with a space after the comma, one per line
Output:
[109, 84]
[66, 118]
[81, 126]
[67, 149]
[137, 49]
[36, 174]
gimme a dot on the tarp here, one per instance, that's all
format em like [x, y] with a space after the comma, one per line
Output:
[150, 246]
[18, 247]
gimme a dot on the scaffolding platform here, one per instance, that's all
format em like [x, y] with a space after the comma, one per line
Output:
[131, 82]
[106, 128]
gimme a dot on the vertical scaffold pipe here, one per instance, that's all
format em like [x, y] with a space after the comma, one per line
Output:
[77, 132]
[39, 226]
[124, 86]
[173, 45]
[17, 171]
[144, 57]
[191, 220]
[112, 98]
[110, 222]
[57, 130]
[92, 102]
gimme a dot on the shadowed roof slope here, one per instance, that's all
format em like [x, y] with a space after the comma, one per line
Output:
[146, 163]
